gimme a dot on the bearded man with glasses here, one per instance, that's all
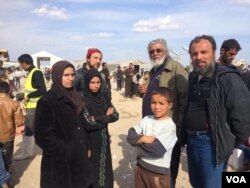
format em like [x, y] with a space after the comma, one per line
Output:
[170, 74]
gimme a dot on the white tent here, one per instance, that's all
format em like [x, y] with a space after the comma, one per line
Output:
[44, 59]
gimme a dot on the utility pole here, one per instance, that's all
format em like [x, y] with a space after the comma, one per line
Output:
[177, 55]
[185, 48]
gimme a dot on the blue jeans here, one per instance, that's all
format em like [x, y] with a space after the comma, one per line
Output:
[4, 175]
[203, 171]
[7, 151]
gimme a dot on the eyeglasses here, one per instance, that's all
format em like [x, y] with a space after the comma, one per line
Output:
[157, 50]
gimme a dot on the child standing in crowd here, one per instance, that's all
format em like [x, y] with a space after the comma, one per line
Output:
[154, 136]
[11, 116]
[98, 113]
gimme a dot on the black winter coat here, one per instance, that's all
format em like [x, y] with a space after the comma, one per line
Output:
[61, 135]
[99, 139]
[229, 109]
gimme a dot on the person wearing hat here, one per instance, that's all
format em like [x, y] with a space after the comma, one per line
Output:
[93, 59]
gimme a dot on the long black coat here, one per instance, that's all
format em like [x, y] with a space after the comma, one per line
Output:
[61, 135]
[100, 139]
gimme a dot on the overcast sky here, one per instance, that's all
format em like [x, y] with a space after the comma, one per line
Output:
[121, 29]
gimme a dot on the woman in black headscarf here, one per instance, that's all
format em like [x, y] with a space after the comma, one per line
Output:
[60, 132]
[99, 112]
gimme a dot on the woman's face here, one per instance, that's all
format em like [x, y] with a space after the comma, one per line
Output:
[95, 84]
[68, 77]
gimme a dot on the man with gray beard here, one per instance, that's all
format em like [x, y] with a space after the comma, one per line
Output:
[170, 74]
[216, 118]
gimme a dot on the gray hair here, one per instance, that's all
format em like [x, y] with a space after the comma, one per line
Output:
[157, 41]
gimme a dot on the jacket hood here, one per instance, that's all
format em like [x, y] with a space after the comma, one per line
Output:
[220, 69]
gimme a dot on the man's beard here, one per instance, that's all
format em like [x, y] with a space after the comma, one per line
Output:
[156, 63]
[207, 69]
[90, 66]
[225, 60]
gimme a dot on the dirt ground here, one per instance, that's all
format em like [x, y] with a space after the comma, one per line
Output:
[26, 174]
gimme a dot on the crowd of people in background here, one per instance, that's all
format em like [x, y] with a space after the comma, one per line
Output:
[205, 110]
[13, 76]
[130, 78]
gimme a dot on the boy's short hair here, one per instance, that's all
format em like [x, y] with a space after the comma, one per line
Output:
[4, 87]
[165, 92]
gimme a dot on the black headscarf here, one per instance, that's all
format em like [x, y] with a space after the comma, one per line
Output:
[95, 102]
[70, 93]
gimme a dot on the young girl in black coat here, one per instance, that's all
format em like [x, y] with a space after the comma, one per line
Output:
[99, 111]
